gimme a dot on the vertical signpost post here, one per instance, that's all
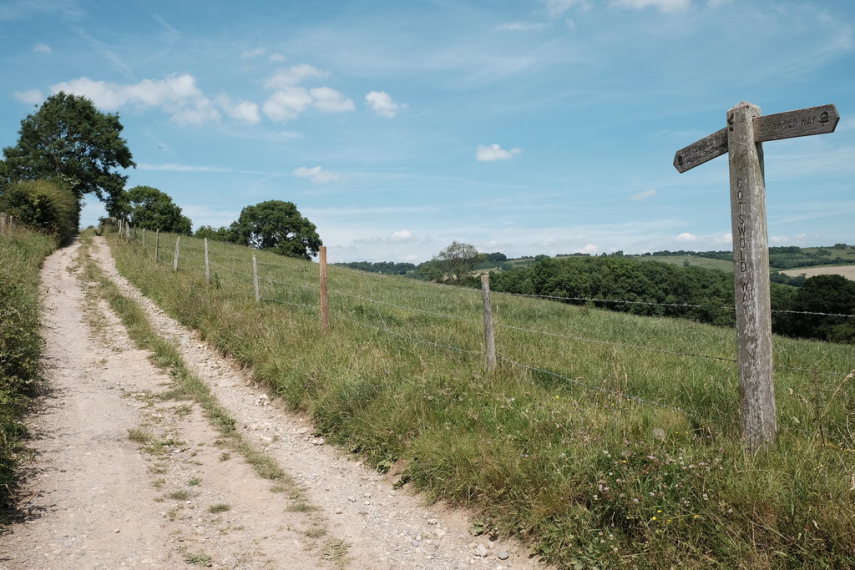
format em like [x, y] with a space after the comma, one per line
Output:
[742, 140]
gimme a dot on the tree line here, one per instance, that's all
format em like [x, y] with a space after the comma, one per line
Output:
[624, 284]
[68, 150]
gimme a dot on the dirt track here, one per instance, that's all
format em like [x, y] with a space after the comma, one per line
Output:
[124, 478]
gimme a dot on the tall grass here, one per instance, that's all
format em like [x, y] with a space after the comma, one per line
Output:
[21, 255]
[604, 439]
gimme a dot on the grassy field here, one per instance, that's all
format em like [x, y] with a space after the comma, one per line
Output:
[847, 271]
[603, 439]
[693, 260]
[21, 255]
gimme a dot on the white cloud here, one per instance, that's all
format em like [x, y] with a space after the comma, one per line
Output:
[30, 96]
[42, 48]
[644, 195]
[493, 152]
[287, 103]
[316, 174]
[383, 104]
[686, 236]
[294, 75]
[556, 8]
[403, 235]
[330, 101]
[177, 95]
[174, 167]
[276, 57]
[289, 100]
[253, 53]
[661, 5]
[243, 111]
[520, 27]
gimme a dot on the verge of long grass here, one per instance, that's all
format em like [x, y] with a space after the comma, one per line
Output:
[21, 256]
[616, 445]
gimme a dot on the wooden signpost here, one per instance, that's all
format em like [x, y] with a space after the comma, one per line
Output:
[742, 139]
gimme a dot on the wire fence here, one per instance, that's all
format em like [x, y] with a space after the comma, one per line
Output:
[533, 338]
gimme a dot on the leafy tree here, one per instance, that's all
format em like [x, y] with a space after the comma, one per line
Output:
[149, 208]
[68, 138]
[456, 260]
[220, 234]
[45, 205]
[832, 294]
[277, 226]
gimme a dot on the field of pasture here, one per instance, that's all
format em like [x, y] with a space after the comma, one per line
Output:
[603, 439]
[847, 271]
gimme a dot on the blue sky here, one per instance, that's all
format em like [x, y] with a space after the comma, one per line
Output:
[526, 127]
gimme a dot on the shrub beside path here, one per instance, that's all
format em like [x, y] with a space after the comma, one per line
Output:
[126, 476]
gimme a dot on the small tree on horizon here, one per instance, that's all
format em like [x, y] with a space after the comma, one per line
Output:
[277, 226]
[456, 260]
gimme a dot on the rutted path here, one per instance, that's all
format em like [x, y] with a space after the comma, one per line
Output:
[168, 496]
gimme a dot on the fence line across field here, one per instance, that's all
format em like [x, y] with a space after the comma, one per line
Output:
[258, 283]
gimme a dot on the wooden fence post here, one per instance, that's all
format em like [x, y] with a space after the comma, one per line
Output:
[255, 280]
[489, 334]
[207, 264]
[3, 221]
[751, 278]
[175, 258]
[325, 307]
[143, 239]
[157, 246]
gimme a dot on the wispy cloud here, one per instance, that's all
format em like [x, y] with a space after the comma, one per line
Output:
[643, 195]
[175, 167]
[556, 8]
[42, 48]
[383, 210]
[520, 27]
[667, 6]
[383, 104]
[493, 152]
[401, 236]
[30, 96]
[294, 75]
[316, 174]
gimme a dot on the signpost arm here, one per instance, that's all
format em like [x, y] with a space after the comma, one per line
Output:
[751, 278]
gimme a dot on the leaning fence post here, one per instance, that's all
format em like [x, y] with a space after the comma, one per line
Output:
[255, 280]
[207, 264]
[325, 306]
[157, 246]
[489, 335]
[175, 259]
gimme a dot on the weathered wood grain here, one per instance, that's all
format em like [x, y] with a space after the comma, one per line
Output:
[801, 123]
[701, 151]
[751, 278]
